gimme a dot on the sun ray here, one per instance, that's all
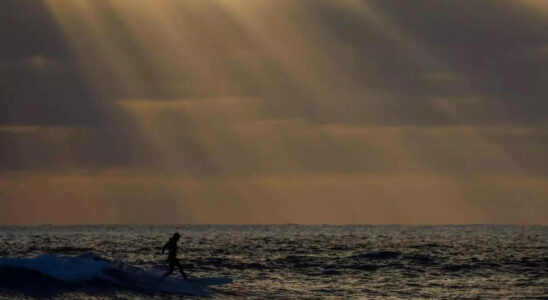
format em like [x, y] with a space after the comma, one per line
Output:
[231, 87]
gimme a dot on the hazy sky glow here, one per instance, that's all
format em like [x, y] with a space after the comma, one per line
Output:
[273, 111]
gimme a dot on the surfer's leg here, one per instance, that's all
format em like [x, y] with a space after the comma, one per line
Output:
[181, 269]
[171, 269]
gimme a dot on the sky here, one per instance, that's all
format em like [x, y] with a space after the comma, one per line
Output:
[273, 112]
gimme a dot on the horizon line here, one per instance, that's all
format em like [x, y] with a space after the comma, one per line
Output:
[273, 224]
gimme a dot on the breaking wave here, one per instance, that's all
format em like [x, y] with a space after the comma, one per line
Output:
[48, 274]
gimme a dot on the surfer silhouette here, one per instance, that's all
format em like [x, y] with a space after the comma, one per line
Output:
[171, 247]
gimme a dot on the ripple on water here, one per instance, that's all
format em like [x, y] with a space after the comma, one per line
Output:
[311, 261]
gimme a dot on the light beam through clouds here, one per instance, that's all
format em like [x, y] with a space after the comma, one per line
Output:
[284, 112]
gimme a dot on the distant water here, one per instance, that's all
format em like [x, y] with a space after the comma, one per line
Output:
[280, 262]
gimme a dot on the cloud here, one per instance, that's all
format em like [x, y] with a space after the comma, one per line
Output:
[342, 67]
[221, 136]
[35, 148]
[41, 90]
[300, 198]
[348, 93]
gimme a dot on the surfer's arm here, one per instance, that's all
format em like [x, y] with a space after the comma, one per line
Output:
[164, 247]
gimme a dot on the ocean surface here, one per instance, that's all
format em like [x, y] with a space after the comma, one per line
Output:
[276, 262]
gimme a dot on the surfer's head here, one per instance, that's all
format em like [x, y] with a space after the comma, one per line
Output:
[176, 236]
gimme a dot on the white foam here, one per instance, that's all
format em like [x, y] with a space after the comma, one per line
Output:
[65, 268]
[89, 267]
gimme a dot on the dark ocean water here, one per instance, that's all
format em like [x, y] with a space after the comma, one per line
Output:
[279, 262]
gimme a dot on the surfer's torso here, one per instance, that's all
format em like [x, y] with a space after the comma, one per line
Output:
[171, 247]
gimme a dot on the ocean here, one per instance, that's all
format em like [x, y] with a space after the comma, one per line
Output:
[276, 262]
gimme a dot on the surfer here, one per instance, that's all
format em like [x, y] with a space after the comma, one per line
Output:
[171, 247]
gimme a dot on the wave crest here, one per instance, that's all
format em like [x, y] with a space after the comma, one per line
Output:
[67, 273]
